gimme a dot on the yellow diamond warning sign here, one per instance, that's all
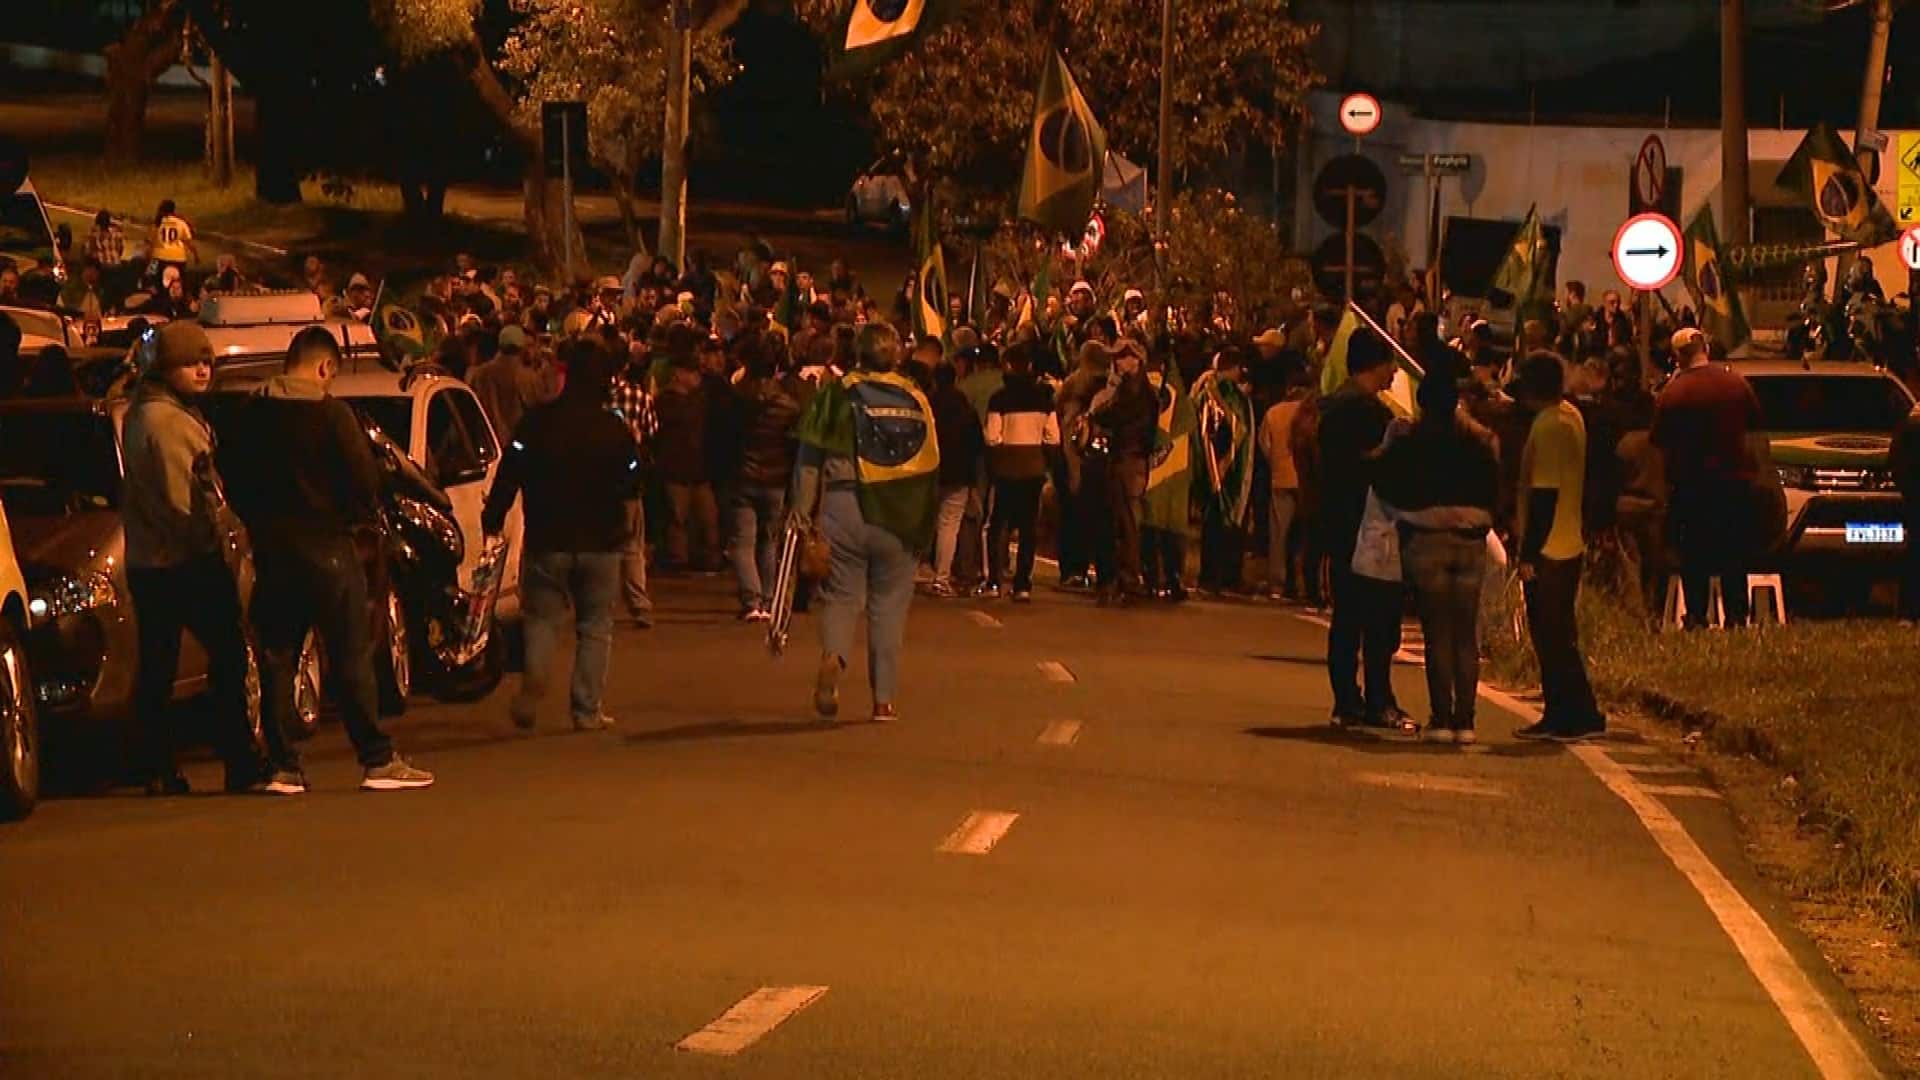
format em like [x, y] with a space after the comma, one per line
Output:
[1907, 200]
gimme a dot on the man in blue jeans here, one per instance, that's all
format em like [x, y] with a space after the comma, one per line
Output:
[576, 463]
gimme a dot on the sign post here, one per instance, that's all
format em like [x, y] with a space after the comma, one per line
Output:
[1647, 253]
[563, 126]
[1350, 192]
[1434, 167]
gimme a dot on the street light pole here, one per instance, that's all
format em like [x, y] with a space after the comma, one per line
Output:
[1734, 195]
[1872, 83]
[1163, 212]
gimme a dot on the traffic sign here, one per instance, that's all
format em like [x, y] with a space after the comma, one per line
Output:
[1649, 174]
[1360, 114]
[1330, 266]
[1910, 248]
[1349, 174]
[1646, 251]
[563, 130]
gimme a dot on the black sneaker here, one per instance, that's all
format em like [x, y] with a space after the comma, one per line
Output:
[1534, 732]
[988, 591]
[1582, 735]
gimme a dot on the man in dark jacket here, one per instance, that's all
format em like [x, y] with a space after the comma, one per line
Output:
[957, 427]
[576, 463]
[680, 456]
[302, 476]
[1022, 431]
[768, 408]
[1128, 414]
[1366, 612]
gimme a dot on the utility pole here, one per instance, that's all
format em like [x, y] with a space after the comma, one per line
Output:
[1734, 194]
[1871, 85]
[220, 121]
[673, 144]
[1163, 210]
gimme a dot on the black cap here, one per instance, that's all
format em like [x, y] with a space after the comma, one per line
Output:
[1540, 374]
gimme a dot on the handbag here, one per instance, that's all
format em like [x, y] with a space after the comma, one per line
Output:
[1376, 552]
[816, 554]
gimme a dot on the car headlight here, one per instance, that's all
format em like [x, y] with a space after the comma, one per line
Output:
[1797, 476]
[71, 595]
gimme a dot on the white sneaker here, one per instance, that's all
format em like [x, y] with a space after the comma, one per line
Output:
[1465, 737]
[1437, 735]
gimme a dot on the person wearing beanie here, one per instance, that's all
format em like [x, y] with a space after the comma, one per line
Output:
[1366, 611]
[179, 580]
[1440, 479]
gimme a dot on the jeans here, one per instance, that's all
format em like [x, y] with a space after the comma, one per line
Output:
[970, 556]
[196, 595]
[693, 530]
[1446, 571]
[871, 572]
[1164, 558]
[1279, 546]
[550, 580]
[1221, 546]
[758, 520]
[953, 508]
[1126, 493]
[1070, 541]
[1711, 522]
[1551, 619]
[1093, 508]
[316, 584]
[633, 565]
[1016, 507]
[1366, 621]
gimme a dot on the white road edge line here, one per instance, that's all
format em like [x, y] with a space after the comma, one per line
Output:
[1680, 791]
[1657, 769]
[1060, 733]
[750, 1019]
[1324, 623]
[984, 619]
[978, 832]
[1826, 1038]
[1055, 671]
[1834, 1050]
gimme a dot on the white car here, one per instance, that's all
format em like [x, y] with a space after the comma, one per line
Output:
[19, 721]
[879, 196]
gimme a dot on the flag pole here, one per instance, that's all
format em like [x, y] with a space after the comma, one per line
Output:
[1407, 361]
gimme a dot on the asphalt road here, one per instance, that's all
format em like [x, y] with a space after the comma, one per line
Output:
[1205, 883]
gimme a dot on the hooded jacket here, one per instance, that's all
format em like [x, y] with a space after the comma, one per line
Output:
[170, 503]
[298, 464]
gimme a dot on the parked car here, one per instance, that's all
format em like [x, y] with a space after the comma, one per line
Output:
[879, 196]
[26, 235]
[19, 720]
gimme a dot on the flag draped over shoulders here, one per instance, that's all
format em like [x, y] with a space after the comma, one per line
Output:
[883, 423]
[1170, 470]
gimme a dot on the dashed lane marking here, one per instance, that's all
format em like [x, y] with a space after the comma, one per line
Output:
[981, 618]
[750, 1020]
[1433, 782]
[1060, 733]
[979, 831]
[1680, 791]
[1055, 671]
[1648, 768]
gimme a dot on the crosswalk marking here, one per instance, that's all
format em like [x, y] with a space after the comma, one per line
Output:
[1055, 671]
[981, 618]
[1680, 791]
[750, 1020]
[1060, 733]
[979, 831]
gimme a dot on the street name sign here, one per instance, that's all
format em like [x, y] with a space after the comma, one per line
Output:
[1646, 251]
[1436, 164]
[1360, 114]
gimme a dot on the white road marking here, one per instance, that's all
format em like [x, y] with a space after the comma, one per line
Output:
[1433, 782]
[981, 618]
[750, 1020]
[1680, 791]
[978, 832]
[1648, 768]
[1834, 1050]
[1403, 656]
[1055, 671]
[1060, 733]
[1631, 749]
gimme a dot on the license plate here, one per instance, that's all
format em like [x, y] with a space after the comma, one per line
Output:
[1876, 532]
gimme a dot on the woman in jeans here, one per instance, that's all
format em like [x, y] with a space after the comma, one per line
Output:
[1441, 479]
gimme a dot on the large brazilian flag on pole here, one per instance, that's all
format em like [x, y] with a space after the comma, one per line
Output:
[1065, 152]
[1823, 172]
[1720, 312]
[930, 294]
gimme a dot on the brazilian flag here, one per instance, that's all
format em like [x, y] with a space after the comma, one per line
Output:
[401, 329]
[1225, 437]
[1333, 365]
[1170, 470]
[1720, 313]
[879, 31]
[1065, 153]
[884, 424]
[930, 299]
[1823, 172]
[1528, 267]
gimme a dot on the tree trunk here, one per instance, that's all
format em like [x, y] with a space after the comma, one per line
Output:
[276, 179]
[623, 198]
[133, 62]
[544, 211]
[220, 123]
[673, 150]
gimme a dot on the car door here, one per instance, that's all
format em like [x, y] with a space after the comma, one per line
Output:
[462, 455]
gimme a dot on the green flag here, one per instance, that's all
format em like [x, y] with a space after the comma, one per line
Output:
[1333, 365]
[930, 297]
[1065, 152]
[1225, 441]
[883, 423]
[1527, 268]
[879, 31]
[1721, 315]
[1823, 172]
[1170, 470]
[399, 328]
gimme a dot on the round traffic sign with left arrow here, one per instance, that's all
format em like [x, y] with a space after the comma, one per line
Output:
[1359, 114]
[1646, 252]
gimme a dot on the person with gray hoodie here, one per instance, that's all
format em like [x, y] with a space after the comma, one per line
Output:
[179, 580]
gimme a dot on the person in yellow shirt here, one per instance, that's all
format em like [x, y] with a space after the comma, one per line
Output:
[172, 239]
[1553, 469]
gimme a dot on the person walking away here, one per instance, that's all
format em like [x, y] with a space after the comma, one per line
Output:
[179, 580]
[1700, 424]
[575, 464]
[1283, 477]
[1022, 431]
[303, 477]
[1366, 612]
[1441, 479]
[868, 471]
[511, 382]
[1127, 412]
[681, 456]
[172, 244]
[961, 444]
[769, 409]
[633, 402]
[1225, 436]
[1552, 480]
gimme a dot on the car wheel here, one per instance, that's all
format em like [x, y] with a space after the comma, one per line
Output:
[396, 660]
[19, 731]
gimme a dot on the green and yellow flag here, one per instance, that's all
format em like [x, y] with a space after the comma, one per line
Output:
[1823, 172]
[401, 329]
[1528, 266]
[1170, 470]
[883, 423]
[930, 297]
[1720, 313]
[1065, 152]
[1225, 438]
[1333, 365]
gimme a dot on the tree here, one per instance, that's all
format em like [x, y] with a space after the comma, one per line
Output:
[612, 55]
[149, 47]
[959, 103]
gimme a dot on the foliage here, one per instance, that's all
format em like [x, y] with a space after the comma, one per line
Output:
[418, 29]
[959, 103]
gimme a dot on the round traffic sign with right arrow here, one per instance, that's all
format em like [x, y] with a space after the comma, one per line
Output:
[1646, 252]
